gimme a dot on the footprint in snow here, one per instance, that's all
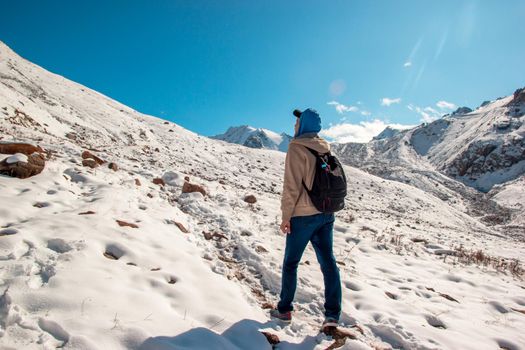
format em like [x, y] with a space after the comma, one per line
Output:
[353, 286]
[507, 345]
[59, 245]
[499, 307]
[435, 322]
[114, 251]
[41, 204]
[54, 329]
[8, 232]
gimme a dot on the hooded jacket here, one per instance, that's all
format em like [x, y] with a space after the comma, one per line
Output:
[299, 166]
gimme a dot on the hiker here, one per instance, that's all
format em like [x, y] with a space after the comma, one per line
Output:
[302, 222]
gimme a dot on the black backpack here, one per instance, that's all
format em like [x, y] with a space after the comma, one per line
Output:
[329, 186]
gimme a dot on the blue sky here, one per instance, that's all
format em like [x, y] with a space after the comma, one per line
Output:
[207, 65]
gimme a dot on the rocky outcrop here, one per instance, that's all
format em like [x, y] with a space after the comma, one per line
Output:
[485, 157]
[462, 110]
[518, 97]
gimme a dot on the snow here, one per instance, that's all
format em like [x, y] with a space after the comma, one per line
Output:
[80, 281]
[17, 157]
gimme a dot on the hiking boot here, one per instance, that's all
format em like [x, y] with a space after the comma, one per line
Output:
[285, 316]
[329, 323]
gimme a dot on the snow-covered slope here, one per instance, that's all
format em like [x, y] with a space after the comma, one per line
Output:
[255, 138]
[479, 149]
[72, 277]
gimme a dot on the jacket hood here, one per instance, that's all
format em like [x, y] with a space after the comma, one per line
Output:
[316, 143]
[309, 121]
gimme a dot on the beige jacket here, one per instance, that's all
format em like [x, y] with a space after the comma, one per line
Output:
[299, 166]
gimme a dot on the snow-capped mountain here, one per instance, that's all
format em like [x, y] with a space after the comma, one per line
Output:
[480, 148]
[158, 248]
[255, 138]
[387, 133]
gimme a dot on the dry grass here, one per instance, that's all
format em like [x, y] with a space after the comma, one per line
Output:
[481, 258]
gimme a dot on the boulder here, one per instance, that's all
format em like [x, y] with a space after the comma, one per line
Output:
[189, 188]
[91, 163]
[89, 155]
[173, 178]
[113, 166]
[272, 338]
[250, 199]
[22, 166]
[24, 148]
[159, 181]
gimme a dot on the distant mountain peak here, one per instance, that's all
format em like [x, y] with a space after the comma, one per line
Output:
[387, 133]
[252, 137]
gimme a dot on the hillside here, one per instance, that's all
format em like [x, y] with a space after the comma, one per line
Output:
[100, 258]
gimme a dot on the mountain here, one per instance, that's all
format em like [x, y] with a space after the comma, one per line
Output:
[456, 156]
[158, 248]
[255, 138]
[387, 133]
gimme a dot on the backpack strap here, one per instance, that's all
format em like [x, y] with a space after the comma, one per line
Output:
[314, 152]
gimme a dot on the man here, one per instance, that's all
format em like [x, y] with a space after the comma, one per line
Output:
[303, 223]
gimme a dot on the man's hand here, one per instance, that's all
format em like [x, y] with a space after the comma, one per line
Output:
[285, 227]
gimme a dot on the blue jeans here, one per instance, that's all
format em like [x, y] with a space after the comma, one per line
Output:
[317, 229]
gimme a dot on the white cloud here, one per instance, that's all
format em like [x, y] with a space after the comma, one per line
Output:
[361, 132]
[446, 105]
[407, 64]
[428, 114]
[341, 108]
[365, 113]
[385, 101]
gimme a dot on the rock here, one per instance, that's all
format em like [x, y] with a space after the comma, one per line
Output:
[189, 188]
[20, 169]
[71, 136]
[91, 163]
[462, 110]
[179, 225]
[24, 148]
[173, 178]
[89, 212]
[261, 249]
[159, 181]
[485, 103]
[250, 199]
[208, 235]
[137, 182]
[186, 178]
[272, 338]
[113, 166]
[89, 155]
[110, 256]
[126, 224]
[518, 98]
